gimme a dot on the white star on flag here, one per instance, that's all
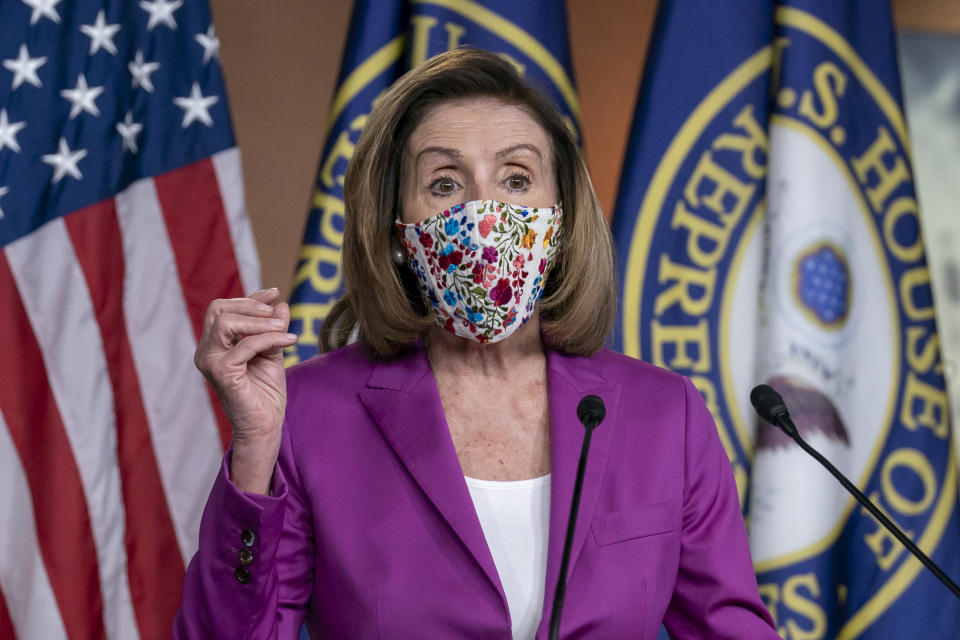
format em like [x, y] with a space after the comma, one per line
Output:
[210, 43]
[82, 98]
[64, 162]
[161, 12]
[101, 34]
[9, 131]
[141, 71]
[196, 107]
[128, 130]
[25, 68]
[3, 192]
[43, 9]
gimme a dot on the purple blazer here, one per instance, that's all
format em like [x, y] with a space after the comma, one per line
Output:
[371, 532]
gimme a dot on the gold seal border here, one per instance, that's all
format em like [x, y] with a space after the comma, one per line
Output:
[520, 39]
[663, 176]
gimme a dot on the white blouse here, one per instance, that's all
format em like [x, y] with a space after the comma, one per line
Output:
[515, 517]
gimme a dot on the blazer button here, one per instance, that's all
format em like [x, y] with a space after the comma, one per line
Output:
[242, 574]
[245, 556]
[247, 537]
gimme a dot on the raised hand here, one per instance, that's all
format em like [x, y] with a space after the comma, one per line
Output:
[241, 353]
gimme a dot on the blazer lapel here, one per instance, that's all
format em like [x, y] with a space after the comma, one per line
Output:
[402, 397]
[569, 379]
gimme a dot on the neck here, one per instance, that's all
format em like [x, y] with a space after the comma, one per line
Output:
[451, 354]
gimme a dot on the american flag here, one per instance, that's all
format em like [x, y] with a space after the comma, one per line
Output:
[121, 217]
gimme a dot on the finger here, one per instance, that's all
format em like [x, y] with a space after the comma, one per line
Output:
[237, 306]
[282, 312]
[252, 346]
[232, 327]
[266, 296]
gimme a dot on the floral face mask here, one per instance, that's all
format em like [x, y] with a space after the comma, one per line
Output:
[481, 265]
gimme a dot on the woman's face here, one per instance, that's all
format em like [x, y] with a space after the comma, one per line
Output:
[476, 149]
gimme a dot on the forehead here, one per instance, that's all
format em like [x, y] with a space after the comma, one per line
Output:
[478, 123]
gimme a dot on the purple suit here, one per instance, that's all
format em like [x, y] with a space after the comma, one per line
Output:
[371, 532]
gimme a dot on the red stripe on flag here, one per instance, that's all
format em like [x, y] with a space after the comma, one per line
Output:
[6, 624]
[64, 534]
[149, 538]
[200, 236]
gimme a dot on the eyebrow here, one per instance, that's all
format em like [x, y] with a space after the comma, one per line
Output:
[518, 147]
[447, 151]
[456, 155]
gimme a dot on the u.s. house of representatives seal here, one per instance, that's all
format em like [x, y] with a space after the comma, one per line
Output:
[779, 242]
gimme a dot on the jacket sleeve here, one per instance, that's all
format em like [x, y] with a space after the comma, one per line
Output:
[252, 575]
[716, 591]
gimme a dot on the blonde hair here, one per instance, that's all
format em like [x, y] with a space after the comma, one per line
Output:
[381, 302]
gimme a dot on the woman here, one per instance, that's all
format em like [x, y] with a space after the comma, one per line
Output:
[416, 484]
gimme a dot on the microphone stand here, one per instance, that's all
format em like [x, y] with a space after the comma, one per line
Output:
[591, 412]
[782, 420]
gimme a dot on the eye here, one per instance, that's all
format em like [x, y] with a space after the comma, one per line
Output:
[518, 182]
[443, 186]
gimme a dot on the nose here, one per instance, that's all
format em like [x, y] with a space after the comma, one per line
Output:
[480, 184]
[480, 179]
[478, 193]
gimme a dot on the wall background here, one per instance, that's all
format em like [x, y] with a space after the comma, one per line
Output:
[281, 59]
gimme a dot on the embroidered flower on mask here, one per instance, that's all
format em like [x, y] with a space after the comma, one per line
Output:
[487, 224]
[490, 276]
[546, 237]
[449, 262]
[501, 293]
[528, 239]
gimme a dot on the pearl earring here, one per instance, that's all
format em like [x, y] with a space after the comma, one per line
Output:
[399, 258]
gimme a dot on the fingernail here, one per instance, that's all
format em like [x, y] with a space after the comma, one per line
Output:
[292, 336]
[278, 323]
[265, 307]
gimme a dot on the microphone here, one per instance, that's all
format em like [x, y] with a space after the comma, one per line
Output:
[771, 407]
[591, 411]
